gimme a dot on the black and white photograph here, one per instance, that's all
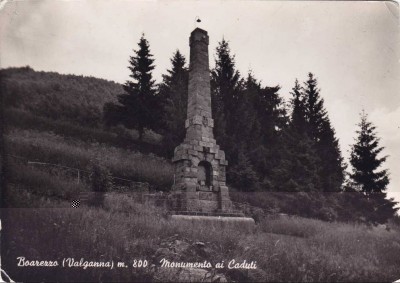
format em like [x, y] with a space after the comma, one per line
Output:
[199, 141]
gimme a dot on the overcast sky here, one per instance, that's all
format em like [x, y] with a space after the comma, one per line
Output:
[352, 48]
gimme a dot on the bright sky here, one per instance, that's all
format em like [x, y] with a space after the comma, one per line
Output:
[352, 48]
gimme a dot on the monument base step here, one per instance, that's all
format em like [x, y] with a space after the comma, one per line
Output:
[243, 221]
[217, 213]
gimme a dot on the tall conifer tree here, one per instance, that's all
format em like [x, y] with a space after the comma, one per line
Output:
[321, 132]
[297, 170]
[225, 87]
[366, 177]
[173, 92]
[365, 161]
[138, 107]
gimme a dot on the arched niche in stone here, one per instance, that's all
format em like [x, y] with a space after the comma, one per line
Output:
[204, 175]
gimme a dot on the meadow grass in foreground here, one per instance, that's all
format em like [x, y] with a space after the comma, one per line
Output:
[285, 249]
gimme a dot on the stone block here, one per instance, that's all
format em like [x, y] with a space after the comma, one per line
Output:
[224, 195]
[202, 143]
[196, 159]
[187, 146]
[192, 205]
[215, 184]
[189, 180]
[222, 178]
[198, 148]
[191, 195]
[226, 205]
[193, 152]
[191, 174]
[223, 188]
[208, 206]
[197, 120]
[209, 157]
[190, 188]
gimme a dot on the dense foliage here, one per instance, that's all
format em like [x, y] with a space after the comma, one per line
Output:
[59, 97]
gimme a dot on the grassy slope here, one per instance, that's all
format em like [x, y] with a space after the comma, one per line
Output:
[51, 148]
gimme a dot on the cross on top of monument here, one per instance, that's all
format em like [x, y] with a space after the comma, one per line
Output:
[197, 21]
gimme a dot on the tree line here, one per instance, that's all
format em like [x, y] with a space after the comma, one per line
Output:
[271, 145]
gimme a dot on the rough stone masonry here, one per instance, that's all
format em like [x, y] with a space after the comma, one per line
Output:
[200, 164]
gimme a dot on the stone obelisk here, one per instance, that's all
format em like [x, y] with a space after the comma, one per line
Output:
[200, 164]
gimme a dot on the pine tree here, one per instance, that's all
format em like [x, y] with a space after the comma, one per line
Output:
[365, 161]
[174, 93]
[242, 174]
[297, 170]
[225, 78]
[366, 177]
[321, 132]
[298, 117]
[314, 108]
[138, 107]
[225, 87]
[249, 126]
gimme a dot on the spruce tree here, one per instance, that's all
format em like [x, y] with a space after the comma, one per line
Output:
[225, 78]
[297, 170]
[314, 108]
[242, 174]
[298, 117]
[365, 161]
[138, 107]
[322, 133]
[366, 177]
[173, 92]
[225, 87]
[249, 126]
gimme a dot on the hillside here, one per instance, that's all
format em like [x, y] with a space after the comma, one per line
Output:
[52, 95]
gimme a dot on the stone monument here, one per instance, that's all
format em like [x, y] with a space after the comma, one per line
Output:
[200, 165]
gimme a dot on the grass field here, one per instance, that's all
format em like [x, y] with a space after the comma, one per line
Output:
[285, 248]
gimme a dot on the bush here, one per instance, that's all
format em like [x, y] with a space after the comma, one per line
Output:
[101, 178]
